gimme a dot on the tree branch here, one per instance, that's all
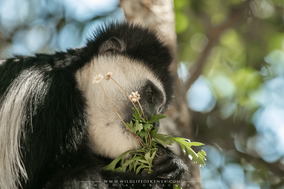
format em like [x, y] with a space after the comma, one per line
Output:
[214, 34]
[158, 15]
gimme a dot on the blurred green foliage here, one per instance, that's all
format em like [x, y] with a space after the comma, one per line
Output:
[244, 59]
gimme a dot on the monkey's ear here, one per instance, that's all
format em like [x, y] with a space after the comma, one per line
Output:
[112, 46]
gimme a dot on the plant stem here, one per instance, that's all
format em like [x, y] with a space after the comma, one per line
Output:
[149, 139]
[141, 109]
[119, 115]
[129, 98]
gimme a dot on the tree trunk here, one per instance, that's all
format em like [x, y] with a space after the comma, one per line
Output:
[158, 15]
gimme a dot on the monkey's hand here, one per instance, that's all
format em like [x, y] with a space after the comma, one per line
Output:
[168, 165]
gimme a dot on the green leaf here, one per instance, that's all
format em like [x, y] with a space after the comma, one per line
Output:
[156, 118]
[137, 126]
[154, 131]
[131, 165]
[161, 138]
[130, 125]
[154, 153]
[136, 163]
[139, 168]
[119, 169]
[148, 127]
[147, 156]
[150, 160]
[126, 164]
[183, 149]
[112, 165]
[196, 144]
[139, 151]
[161, 142]
[197, 158]
[144, 161]
[154, 144]
[152, 119]
[203, 152]
[143, 134]
[136, 114]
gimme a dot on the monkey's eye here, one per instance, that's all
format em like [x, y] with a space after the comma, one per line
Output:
[109, 52]
[150, 94]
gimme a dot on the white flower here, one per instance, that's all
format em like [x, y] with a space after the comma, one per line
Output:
[135, 97]
[108, 75]
[98, 78]
[136, 94]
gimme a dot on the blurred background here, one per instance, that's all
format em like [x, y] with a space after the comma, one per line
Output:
[236, 102]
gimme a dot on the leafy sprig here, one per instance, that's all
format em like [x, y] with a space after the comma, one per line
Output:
[142, 159]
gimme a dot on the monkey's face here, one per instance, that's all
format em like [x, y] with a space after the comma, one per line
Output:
[108, 103]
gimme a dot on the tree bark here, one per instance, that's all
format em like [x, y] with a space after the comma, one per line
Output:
[158, 15]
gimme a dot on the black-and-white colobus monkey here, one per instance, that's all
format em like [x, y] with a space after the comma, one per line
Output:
[57, 129]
